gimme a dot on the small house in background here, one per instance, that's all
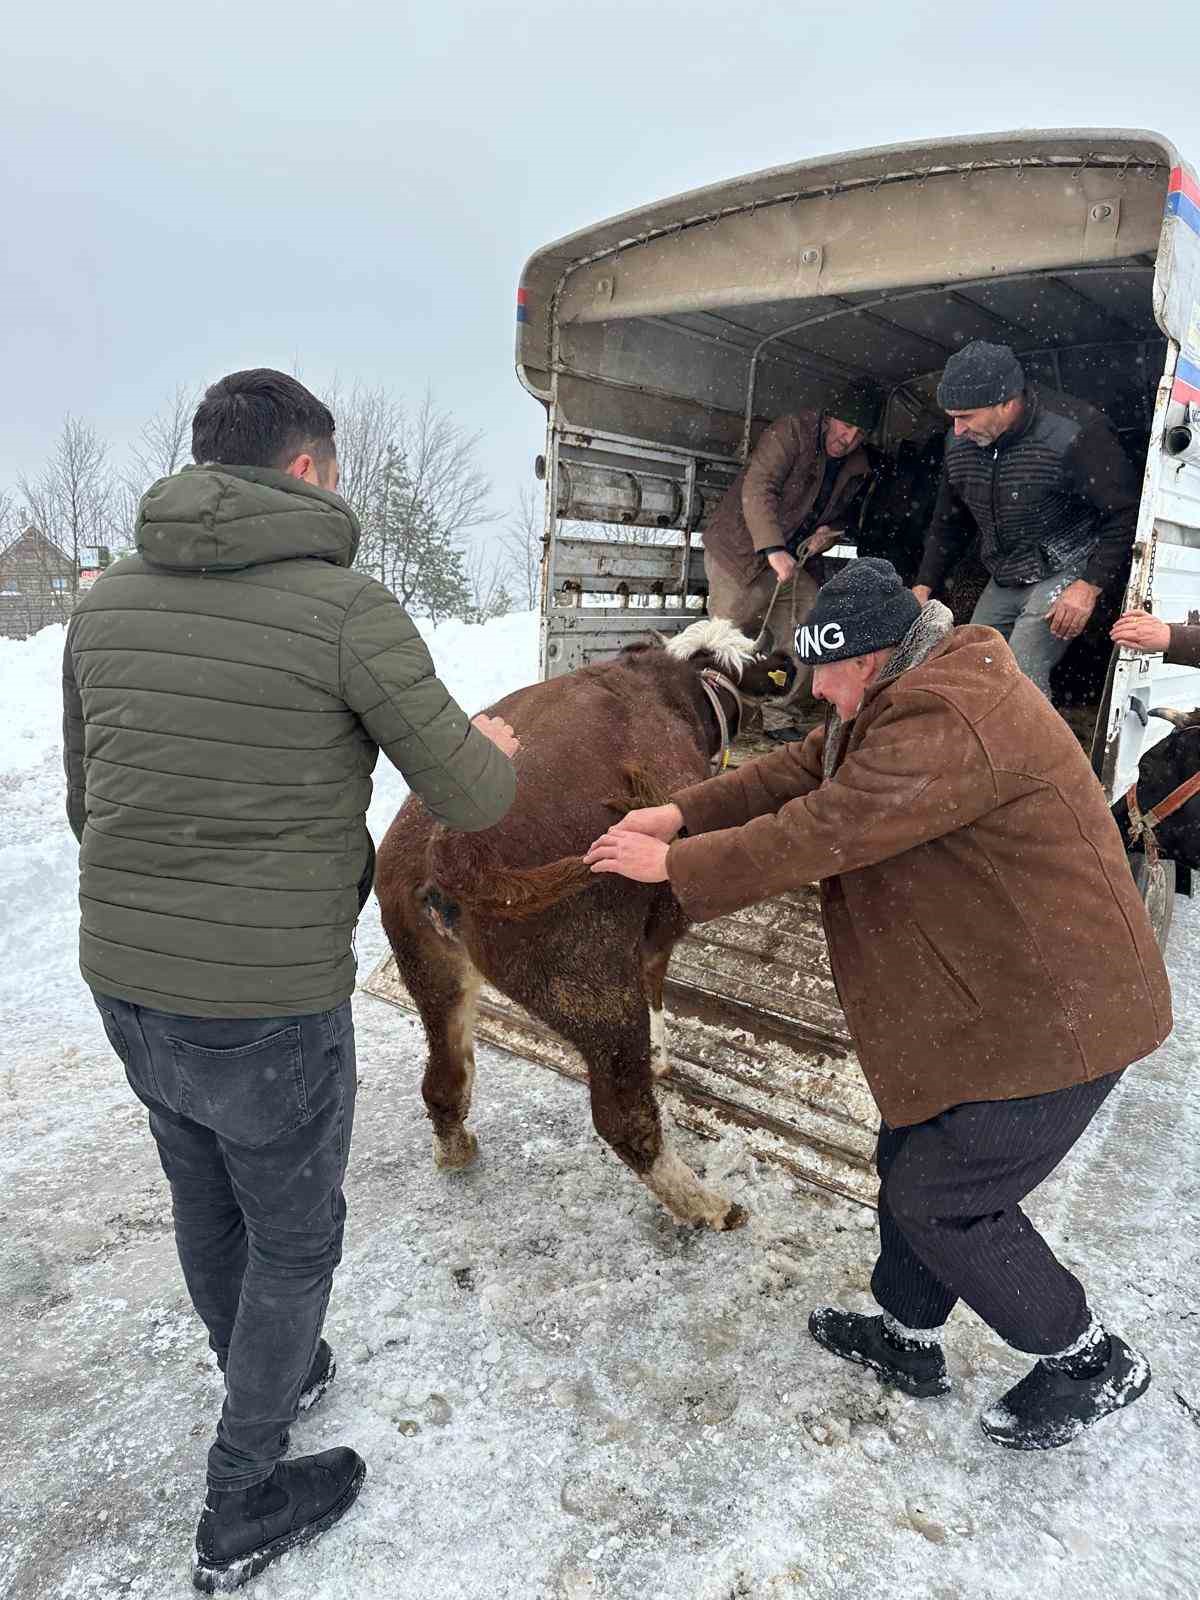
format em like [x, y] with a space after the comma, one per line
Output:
[39, 582]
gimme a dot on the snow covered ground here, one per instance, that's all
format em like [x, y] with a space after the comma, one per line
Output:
[558, 1392]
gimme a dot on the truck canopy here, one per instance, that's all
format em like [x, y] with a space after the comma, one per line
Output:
[694, 320]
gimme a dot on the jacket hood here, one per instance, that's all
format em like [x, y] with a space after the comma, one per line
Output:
[221, 519]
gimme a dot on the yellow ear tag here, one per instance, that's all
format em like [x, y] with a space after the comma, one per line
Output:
[778, 678]
[724, 761]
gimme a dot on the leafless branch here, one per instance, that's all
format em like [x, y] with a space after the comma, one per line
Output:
[369, 422]
[165, 442]
[522, 544]
[72, 502]
[486, 567]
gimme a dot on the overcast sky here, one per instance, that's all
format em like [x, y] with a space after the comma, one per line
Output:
[353, 188]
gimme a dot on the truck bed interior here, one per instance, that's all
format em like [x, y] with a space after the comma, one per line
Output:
[663, 341]
[1087, 330]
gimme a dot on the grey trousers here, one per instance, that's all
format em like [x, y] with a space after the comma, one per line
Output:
[1018, 611]
[252, 1118]
[746, 605]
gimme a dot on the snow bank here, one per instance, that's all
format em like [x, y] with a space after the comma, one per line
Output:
[29, 671]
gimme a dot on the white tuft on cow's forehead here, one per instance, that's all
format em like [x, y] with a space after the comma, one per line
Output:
[719, 638]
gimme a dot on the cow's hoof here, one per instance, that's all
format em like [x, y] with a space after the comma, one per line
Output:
[736, 1217]
[455, 1151]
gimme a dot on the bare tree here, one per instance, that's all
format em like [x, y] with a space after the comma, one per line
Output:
[523, 542]
[163, 446]
[624, 533]
[446, 476]
[165, 442]
[72, 502]
[433, 492]
[486, 568]
[123, 512]
[369, 422]
[10, 520]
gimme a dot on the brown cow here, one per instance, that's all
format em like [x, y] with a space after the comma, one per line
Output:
[515, 904]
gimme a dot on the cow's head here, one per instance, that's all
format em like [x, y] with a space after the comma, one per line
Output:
[1162, 769]
[714, 642]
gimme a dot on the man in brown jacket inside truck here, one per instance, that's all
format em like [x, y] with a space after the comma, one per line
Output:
[788, 505]
[997, 970]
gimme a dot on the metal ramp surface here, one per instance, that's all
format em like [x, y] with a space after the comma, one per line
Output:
[756, 1039]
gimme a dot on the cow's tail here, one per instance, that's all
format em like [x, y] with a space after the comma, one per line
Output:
[463, 878]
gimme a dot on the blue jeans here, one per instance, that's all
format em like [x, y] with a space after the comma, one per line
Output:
[252, 1117]
[1018, 611]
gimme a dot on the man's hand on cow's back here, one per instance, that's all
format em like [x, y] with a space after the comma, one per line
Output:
[499, 732]
[633, 855]
[656, 822]
[782, 564]
[1069, 614]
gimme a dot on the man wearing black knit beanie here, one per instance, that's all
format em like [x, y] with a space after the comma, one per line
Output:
[1044, 481]
[993, 958]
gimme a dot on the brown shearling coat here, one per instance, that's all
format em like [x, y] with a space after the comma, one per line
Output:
[1184, 648]
[985, 934]
[774, 492]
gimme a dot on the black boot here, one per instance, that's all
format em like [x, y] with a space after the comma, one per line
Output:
[1055, 1402]
[243, 1530]
[917, 1368]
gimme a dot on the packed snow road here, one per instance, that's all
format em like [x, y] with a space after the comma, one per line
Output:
[557, 1391]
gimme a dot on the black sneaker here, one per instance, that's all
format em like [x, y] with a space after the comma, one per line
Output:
[243, 1530]
[320, 1375]
[1049, 1407]
[918, 1369]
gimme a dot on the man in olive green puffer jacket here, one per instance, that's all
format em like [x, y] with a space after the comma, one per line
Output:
[227, 691]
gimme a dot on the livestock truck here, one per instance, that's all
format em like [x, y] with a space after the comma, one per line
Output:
[661, 342]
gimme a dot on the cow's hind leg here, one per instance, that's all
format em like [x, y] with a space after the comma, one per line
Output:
[444, 986]
[665, 925]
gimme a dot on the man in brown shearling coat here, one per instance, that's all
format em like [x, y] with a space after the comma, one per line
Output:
[996, 966]
[790, 503]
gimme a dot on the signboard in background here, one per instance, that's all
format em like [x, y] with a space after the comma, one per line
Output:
[93, 558]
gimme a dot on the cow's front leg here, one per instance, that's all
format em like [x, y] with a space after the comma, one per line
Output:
[626, 1117]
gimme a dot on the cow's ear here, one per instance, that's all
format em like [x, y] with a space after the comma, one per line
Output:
[768, 676]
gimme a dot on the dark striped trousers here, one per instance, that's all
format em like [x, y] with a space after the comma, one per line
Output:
[951, 1226]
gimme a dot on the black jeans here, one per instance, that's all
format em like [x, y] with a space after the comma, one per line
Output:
[252, 1117]
[950, 1223]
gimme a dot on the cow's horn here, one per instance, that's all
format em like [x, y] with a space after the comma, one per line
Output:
[1181, 719]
